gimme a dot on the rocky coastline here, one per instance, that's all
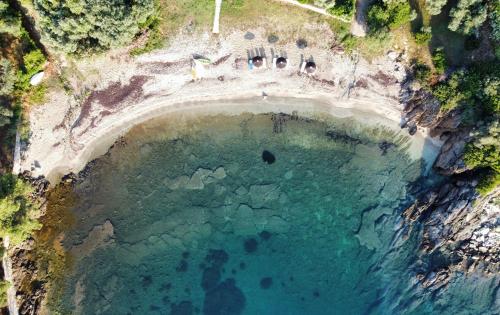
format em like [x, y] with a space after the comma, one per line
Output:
[461, 230]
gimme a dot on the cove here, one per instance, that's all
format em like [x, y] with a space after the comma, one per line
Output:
[188, 216]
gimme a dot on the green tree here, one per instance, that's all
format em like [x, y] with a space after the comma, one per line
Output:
[80, 26]
[389, 14]
[434, 7]
[468, 16]
[9, 20]
[439, 60]
[18, 210]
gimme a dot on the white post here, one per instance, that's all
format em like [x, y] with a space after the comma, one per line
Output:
[16, 169]
[218, 4]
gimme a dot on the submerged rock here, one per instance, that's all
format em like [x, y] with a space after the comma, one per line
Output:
[251, 245]
[268, 157]
[266, 283]
[225, 299]
[183, 308]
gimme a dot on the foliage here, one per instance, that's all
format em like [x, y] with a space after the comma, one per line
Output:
[4, 286]
[434, 7]
[494, 18]
[424, 36]
[439, 60]
[342, 8]
[91, 25]
[10, 22]
[474, 90]
[487, 182]
[7, 77]
[389, 14]
[33, 63]
[468, 16]
[485, 150]
[484, 153]
[17, 209]
[155, 38]
[422, 72]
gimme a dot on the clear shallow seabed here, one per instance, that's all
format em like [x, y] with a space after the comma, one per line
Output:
[184, 216]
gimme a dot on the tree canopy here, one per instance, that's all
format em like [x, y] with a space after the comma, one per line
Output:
[80, 26]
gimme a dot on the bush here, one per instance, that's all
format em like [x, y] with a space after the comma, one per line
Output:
[10, 22]
[17, 209]
[484, 153]
[78, 27]
[422, 73]
[387, 15]
[32, 64]
[424, 36]
[439, 60]
[343, 8]
[487, 182]
[434, 6]
[4, 286]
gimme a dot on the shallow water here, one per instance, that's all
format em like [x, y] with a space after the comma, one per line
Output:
[239, 215]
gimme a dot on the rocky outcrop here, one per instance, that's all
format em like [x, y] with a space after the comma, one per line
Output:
[460, 232]
[449, 160]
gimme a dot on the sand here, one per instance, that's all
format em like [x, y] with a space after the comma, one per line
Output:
[116, 92]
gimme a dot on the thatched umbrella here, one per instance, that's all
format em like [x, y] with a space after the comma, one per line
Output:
[281, 62]
[257, 61]
[310, 67]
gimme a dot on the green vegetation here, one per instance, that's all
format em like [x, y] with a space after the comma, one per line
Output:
[18, 209]
[387, 15]
[9, 20]
[4, 286]
[424, 36]
[439, 60]
[484, 154]
[342, 8]
[79, 27]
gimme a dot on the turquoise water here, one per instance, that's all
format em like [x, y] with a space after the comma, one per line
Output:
[224, 215]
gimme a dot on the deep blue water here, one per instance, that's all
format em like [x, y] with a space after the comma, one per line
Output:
[221, 215]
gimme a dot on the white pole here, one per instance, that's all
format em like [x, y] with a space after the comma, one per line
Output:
[218, 4]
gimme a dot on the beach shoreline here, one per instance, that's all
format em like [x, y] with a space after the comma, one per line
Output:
[67, 132]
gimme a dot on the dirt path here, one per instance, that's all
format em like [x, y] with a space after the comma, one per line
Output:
[314, 9]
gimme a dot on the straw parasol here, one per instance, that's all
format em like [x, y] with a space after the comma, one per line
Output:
[310, 67]
[257, 61]
[281, 62]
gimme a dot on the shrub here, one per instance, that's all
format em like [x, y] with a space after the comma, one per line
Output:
[32, 64]
[17, 209]
[422, 73]
[4, 286]
[424, 36]
[78, 27]
[387, 15]
[439, 60]
[343, 8]
[10, 22]
[487, 182]
[434, 6]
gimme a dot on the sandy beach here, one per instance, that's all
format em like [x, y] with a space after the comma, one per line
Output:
[119, 92]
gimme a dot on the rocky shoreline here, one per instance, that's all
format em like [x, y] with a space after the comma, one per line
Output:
[461, 230]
